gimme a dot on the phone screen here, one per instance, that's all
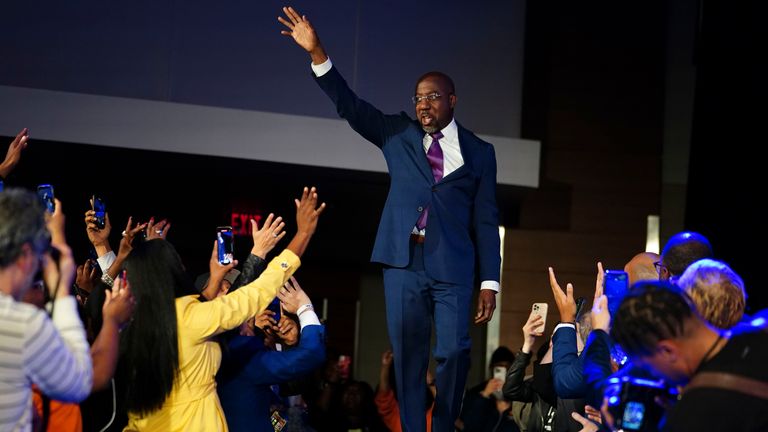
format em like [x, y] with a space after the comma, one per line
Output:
[226, 244]
[275, 307]
[45, 192]
[615, 286]
[100, 210]
[500, 373]
[633, 416]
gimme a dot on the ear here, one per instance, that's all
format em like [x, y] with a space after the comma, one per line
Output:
[452, 99]
[668, 350]
[664, 273]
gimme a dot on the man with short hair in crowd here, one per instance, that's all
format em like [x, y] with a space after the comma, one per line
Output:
[724, 373]
[682, 250]
[52, 353]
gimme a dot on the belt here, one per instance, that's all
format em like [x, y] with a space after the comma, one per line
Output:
[417, 238]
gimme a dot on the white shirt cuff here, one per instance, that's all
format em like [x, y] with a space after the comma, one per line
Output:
[308, 318]
[573, 326]
[322, 68]
[105, 261]
[491, 285]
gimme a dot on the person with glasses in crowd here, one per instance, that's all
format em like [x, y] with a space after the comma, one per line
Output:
[682, 250]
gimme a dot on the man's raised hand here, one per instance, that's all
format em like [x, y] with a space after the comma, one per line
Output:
[302, 32]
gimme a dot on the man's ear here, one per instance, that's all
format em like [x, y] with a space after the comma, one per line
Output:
[668, 350]
[452, 99]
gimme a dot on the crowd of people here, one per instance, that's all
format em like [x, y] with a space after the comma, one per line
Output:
[130, 341]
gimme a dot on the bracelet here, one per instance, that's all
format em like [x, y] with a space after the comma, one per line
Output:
[107, 279]
[304, 308]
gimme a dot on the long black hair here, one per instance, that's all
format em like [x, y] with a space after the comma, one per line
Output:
[149, 345]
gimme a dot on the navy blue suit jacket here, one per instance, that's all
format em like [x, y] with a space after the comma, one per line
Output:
[567, 365]
[462, 206]
[249, 369]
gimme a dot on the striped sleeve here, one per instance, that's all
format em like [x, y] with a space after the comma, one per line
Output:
[56, 353]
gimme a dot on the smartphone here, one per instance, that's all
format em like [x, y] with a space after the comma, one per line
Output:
[615, 286]
[541, 310]
[100, 209]
[499, 373]
[275, 307]
[634, 413]
[226, 244]
[45, 192]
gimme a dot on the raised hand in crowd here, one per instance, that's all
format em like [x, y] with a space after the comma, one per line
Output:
[13, 156]
[218, 270]
[86, 276]
[119, 303]
[531, 330]
[129, 234]
[593, 414]
[303, 34]
[99, 237]
[265, 321]
[157, 230]
[125, 248]
[292, 296]
[494, 385]
[599, 282]
[287, 331]
[587, 425]
[566, 305]
[307, 215]
[58, 274]
[266, 237]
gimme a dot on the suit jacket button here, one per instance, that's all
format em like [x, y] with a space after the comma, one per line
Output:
[434, 188]
[420, 208]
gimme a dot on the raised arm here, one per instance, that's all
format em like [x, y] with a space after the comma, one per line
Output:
[229, 311]
[13, 156]
[63, 343]
[363, 117]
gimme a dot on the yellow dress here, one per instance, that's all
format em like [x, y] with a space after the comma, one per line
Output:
[193, 404]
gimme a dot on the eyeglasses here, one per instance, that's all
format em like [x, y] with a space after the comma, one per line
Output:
[429, 98]
[658, 266]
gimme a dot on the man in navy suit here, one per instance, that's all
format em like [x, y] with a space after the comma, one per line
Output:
[439, 219]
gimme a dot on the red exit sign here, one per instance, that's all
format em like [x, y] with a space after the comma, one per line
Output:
[241, 222]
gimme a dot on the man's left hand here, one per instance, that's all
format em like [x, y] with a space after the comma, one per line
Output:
[486, 304]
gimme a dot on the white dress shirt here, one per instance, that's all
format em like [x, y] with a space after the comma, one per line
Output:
[449, 143]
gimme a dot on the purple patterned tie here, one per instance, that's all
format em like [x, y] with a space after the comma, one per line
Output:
[435, 159]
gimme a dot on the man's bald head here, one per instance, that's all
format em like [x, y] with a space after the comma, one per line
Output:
[641, 268]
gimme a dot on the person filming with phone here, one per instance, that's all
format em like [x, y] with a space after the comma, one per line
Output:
[170, 350]
[31, 341]
[485, 406]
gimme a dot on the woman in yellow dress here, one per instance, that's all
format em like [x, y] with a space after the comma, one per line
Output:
[169, 353]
